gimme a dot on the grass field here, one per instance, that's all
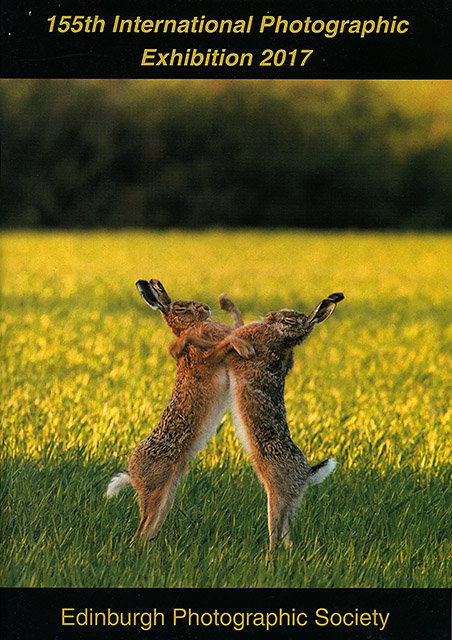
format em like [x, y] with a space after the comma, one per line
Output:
[87, 376]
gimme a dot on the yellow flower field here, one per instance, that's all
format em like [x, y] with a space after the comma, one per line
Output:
[87, 376]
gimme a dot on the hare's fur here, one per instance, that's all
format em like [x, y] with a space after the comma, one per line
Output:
[259, 413]
[197, 403]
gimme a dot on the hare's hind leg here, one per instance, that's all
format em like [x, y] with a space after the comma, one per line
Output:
[287, 523]
[284, 495]
[154, 507]
[169, 493]
[149, 504]
[280, 515]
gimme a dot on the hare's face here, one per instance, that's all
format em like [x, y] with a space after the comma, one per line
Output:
[186, 313]
[288, 322]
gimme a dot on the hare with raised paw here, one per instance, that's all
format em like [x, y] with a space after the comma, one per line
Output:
[259, 413]
[197, 403]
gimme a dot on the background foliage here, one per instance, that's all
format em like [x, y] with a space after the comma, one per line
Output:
[125, 153]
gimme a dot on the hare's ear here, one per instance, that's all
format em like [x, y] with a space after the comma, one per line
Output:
[160, 295]
[323, 310]
[149, 297]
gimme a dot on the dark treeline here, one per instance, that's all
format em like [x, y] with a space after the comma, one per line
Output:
[221, 153]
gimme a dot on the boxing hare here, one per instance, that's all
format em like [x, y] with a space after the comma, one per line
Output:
[197, 403]
[259, 414]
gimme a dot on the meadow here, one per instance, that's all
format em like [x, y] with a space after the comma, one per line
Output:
[87, 375]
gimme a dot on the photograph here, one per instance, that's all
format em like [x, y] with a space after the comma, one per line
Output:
[281, 196]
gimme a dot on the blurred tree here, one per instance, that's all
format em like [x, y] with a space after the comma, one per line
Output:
[204, 153]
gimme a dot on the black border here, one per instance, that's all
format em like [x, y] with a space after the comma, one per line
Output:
[414, 613]
[424, 52]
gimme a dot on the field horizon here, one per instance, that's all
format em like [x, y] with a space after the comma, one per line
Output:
[87, 376]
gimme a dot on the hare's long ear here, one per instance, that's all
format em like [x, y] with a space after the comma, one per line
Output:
[323, 310]
[160, 295]
[150, 298]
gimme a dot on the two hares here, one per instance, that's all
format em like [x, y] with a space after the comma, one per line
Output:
[259, 413]
[197, 403]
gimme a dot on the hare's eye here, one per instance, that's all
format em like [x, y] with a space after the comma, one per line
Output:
[290, 320]
[180, 309]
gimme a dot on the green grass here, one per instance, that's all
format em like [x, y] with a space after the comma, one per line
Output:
[87, 376]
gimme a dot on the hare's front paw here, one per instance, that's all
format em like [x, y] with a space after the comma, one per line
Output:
[225, 302]
[243, 348]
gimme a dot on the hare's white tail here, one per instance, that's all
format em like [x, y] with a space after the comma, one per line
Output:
[117, 483]
[320, 471]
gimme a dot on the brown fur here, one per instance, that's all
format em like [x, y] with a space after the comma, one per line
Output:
[197, 403]
[257, 388]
